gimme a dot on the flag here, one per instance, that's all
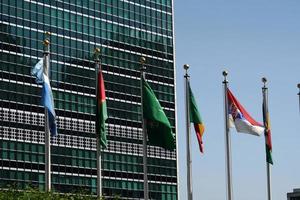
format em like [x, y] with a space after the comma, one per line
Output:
[158, 127]
[101, 112]
[240, 118]
[196, 119]
[267, 132]
[37, 71]
[47, 97]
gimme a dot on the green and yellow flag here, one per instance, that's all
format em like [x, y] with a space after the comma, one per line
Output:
[195, 118]
[101, 112]
[158, 127]
[267, 125]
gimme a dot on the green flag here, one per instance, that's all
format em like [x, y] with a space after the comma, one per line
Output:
[101, 112]
[157, 124]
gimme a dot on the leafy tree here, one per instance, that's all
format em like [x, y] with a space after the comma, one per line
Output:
[30, 193]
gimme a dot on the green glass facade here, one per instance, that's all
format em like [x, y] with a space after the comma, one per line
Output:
[124, 30]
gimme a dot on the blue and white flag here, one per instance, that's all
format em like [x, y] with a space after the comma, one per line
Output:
[47, 97]
[37, 71]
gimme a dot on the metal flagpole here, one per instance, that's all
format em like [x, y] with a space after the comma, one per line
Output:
[146, 192]
[99, 181]
[227, 140]
[265, 101]
[46, 70]
[188, 133]
[269, 181]
[299, 95]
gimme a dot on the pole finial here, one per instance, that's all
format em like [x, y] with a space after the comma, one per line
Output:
[96, 53]
[46, 42]
[264, 80]
[143, 61]
[97, 50]
[186, 66]
[225, 73]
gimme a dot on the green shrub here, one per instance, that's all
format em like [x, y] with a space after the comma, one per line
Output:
[12, 193]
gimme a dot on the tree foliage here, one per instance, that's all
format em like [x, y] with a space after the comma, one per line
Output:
[35, 194]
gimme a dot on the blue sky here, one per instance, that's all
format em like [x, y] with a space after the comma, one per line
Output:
[250, 39]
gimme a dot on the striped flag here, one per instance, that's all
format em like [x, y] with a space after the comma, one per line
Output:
[241, 119]
[101, 112]
[267, 125]
[47, 97]
[196, 119]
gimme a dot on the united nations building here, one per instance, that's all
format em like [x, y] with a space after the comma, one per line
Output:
[124, 30]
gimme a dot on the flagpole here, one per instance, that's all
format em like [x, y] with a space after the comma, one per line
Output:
[265, 101]
[46, 69]
[188, 134]
[99, 175]
[269, 181]
[146, 192]
[227, 140]
[299, 95]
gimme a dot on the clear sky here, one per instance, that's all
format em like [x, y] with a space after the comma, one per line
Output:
[250, 39]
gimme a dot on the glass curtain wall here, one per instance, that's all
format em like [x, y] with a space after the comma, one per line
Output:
[123, 30]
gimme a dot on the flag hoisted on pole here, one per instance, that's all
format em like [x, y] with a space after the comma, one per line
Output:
[236, 116]
[192, 116]
[188, 135]
[227, 140]
[143, 69]
[101, 117]
[268, 140]
[41, 73]
[47, 135]
[155, 124]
